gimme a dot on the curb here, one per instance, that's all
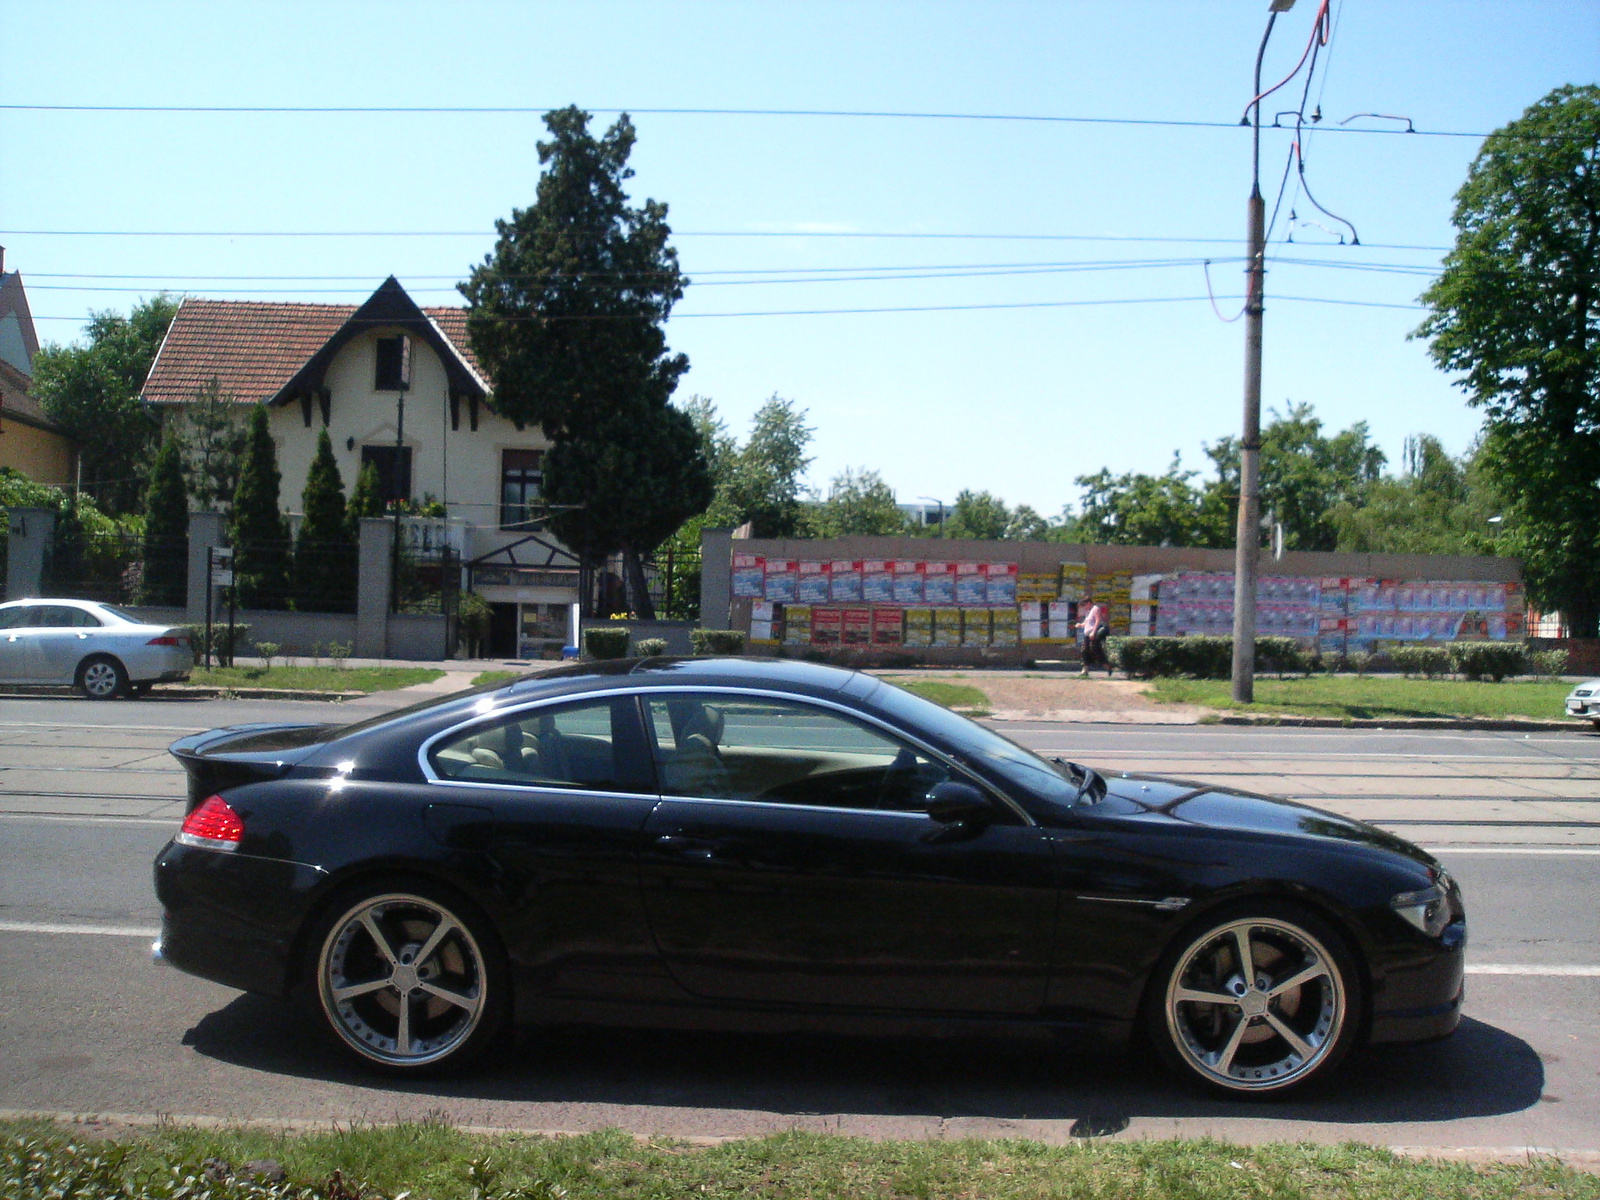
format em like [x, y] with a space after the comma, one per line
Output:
[1480, 723]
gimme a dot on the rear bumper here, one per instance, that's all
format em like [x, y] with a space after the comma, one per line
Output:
[233, 918]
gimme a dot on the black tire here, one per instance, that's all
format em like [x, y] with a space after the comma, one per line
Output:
[1286, 1029]
[101, 677]
[412, 1013]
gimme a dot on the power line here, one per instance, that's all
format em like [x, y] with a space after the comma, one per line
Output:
[540, 110]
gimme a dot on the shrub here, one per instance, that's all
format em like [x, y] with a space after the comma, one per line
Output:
[1494, 659]
[1200, 657]
[716, 641]
[224, 638]
[1281, 654]
[266, 652]
[1359, 661]
[1421, 660]
[606, 643]
[339, 651]
[1552, 663]
[650, 647]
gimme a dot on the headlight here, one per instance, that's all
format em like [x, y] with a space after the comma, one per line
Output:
[1428, 910]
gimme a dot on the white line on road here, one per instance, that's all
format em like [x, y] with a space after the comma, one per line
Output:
[85, 725]
[1573, 851]
[103, 930]
[1568, 969]
[91, 818]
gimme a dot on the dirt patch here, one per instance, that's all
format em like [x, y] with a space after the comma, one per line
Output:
[1030, 697]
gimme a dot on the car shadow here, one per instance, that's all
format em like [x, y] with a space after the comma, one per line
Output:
[1480, 1071]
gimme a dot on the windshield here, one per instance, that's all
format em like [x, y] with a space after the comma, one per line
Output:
[979, 746]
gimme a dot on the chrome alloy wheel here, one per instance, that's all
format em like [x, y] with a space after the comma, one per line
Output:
[402, 980]
[101, 679]
[1256, 1005]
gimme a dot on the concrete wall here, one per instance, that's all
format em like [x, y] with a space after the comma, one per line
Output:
[28, 540]
[676, 632]
[417, 637]
[41, 455]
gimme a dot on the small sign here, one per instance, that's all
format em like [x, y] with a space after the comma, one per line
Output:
[221, 576]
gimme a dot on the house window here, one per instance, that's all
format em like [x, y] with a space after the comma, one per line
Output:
[393, 364]
[394, 470]
[520, 473]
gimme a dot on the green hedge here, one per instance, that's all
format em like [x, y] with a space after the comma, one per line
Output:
[1421, 660]
[650, 647]
[1474, 660]
[606, 643]
[225, 639]
[716, 641]
[1203, 657]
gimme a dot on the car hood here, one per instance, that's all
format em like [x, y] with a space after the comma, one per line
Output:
[1193, 803]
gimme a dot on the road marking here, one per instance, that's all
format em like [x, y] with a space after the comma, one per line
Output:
[102, 930]
[90, 818]
[1575, 851]
[1567, 969]
[85, 725]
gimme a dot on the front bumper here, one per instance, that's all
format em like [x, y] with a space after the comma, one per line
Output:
[233, 918]
[1421, 1000]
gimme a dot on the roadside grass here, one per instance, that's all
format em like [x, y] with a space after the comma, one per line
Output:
[962, 697]
[1374, 696]
[485, 678]
[316, 679]
[436, 1162]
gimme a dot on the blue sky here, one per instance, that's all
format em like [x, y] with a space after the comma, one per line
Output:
[1014, 400]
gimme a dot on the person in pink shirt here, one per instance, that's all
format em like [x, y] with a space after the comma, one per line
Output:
[1095, 628]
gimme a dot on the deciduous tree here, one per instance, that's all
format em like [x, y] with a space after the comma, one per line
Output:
[858, 501]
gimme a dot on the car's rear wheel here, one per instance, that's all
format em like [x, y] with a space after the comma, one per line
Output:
[410, 978]
[1257, 1001]
[102, 678]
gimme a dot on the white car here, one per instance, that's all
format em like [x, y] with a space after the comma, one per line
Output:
[100, 650]
[1584, 701]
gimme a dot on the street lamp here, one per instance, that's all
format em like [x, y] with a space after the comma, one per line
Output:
[1248, 530]
[940, 503]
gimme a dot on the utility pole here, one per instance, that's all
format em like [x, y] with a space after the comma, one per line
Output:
[1248, 545]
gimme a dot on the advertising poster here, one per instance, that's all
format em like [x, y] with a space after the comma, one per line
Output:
[749, 576]
[761, 623]
[1006, 626]
[1061, 621]
[974, 626]
[919, 627]
[1001, 584]
[908, 581]
[781, 576]
[825, 626]
[813, 585]
[877, 581]
[887, 626]
[1074, 581]
[971, 587]
[796, 625]
[845, 582]
[855, 627]
[939, 583]
[1038, 585]
[946, 626]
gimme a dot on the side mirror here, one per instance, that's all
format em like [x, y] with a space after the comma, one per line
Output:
[955, 803]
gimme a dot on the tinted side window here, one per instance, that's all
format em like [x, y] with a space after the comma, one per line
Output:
[22, 617]
[776, 751]
[596, 746]
[59, 616]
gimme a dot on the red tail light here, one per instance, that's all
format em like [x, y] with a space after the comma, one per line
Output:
[164, 641]
[212, 826]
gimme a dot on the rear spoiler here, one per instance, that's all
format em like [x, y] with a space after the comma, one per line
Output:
[223, 758]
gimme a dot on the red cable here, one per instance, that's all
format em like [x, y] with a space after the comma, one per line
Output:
[1319, 33]
[1212, 296]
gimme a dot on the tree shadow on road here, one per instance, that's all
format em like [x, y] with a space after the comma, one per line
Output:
[1481, 1071]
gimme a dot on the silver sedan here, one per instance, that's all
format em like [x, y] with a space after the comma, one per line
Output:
[1584, 701]
[100, 650]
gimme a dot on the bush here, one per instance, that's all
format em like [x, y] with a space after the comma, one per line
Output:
[1359, 661]
[224, 638]
[1152, 657]
[1421, 660]
[716, 641]
[1494, 659]
[266, 652]
[606, 643]
[1281, 654]
[339, 651]
[1552, 663]
[650, 647]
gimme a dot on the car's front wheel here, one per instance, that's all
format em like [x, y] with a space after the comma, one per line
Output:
[410, 978]
[102, 678]
[1257, 1001]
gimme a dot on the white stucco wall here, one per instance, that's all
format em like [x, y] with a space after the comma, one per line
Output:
[459, 467]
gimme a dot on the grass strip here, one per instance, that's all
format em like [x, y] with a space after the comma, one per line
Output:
[436, 1162]
[485, 678]
[962, 697]
[1374, 696]
[316, 679]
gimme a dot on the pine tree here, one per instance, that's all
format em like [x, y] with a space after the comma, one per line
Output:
[166, 529]
[324, 555]
[366, 500]
[259, 534]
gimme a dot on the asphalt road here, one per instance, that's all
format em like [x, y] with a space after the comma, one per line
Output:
[87, 797]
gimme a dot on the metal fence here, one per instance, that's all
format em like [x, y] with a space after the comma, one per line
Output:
[117, 568]
[277, 576]
[673, 580]
[427, 583]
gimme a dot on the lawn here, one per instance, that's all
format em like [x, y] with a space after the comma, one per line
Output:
[315, 679]
[485, 678]
[961, 697]
[1374, 696]
[436, 1162]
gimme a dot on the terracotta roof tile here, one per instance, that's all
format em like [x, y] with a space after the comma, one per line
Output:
[253, 347]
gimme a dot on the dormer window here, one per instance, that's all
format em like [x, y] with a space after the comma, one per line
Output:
[393, 364]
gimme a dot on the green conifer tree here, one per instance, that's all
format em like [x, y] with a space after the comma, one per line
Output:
[324, 553]
[166, 529]
[366, 500]
[256, 527]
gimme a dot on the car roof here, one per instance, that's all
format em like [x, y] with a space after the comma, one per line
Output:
[53, 600]
[786, 674]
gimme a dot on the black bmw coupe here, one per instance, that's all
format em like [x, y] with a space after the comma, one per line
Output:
[763, 845]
